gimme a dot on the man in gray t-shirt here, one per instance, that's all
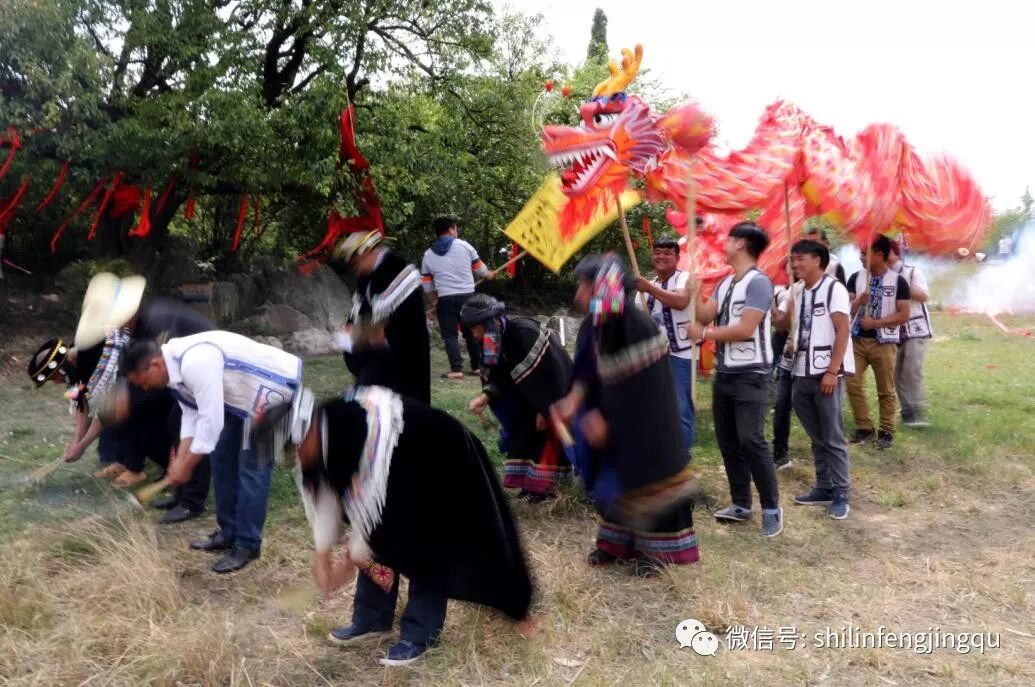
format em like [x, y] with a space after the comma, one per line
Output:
[740, 308]
[449, 269]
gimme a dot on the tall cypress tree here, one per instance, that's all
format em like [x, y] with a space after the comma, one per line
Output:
[598, 38]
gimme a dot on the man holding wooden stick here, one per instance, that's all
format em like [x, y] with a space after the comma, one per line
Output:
[668, 303]
[223, 382]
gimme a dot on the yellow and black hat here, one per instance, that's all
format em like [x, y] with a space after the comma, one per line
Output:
[49, 361]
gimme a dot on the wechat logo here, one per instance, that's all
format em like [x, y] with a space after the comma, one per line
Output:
[692, 633]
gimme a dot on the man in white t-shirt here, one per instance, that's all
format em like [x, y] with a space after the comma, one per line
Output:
[1005, 247]
[668, 302]
[915, 333]
[820, 348]
[449, 269]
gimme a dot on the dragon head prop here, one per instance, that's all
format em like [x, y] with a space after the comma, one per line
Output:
[619, 136]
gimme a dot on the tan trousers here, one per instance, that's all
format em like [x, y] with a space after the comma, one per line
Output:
[881, 357]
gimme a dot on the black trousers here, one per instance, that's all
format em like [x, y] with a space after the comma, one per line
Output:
[448, 311]
[152, 431]
[739, 403]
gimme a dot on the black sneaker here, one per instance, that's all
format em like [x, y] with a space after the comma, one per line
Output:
[838, 508]
[781, 460]
[354, 634]
[816, 497]
[600, 557]
[884, 440]
[167, 502]
[532, 497]
[180, 513]
[647, 567]
[861, 435]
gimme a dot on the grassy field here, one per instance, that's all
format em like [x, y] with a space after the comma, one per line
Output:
[940, 536]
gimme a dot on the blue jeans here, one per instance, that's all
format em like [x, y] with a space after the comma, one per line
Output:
[422, 621]
[681, 369]
[242, 488]
[782, 412]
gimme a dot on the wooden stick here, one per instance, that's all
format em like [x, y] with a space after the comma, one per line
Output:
[561, 430]
[629, 247]
[505, 265]
[787, 216]
[148, 493]
[691, 234]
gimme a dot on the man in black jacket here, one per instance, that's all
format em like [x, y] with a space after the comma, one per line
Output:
[386, 340]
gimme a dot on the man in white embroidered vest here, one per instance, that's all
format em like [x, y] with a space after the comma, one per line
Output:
[668, 303]
[741, 306]
[909, 365]
[223, 382]
[820, 349]
[878, 310]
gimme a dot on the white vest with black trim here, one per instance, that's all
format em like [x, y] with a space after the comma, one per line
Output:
[670, 320]
[254, 375]
[821, 335]
[755, 353]
[918, 326]
[888, 302]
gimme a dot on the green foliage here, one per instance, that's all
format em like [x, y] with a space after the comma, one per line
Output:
[1007, 222]
[445, 95]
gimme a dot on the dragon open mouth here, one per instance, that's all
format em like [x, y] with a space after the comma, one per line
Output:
[583, 165]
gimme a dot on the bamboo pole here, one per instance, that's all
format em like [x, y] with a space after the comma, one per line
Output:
[787, 217]
[629, 246]
[691, 235]
[505, 265]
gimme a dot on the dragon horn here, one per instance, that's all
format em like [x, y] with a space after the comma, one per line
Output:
[620, 78]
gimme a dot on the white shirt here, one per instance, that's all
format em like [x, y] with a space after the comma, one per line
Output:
[676, 284]
[839, 302]
[200, 371]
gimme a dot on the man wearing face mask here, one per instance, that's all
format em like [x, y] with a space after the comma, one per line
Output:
[668, 303]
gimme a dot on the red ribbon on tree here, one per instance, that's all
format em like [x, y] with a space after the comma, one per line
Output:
[242, 213]
[15, 142]
[647, 231]
[55, 188]
[125, 200]
[165, 194]
[143, 227]
[369, 203]
[188, 208]
[7, 209]
[104, 205]
[515, 250]
[82, 206]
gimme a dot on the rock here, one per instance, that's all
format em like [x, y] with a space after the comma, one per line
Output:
[322, 295]
[309, 342]
[226, 302]
[273, 320]
[269, 341]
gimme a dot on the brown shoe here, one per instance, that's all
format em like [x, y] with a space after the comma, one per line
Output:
[129, 479]
[113, 470]
[453, 375]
